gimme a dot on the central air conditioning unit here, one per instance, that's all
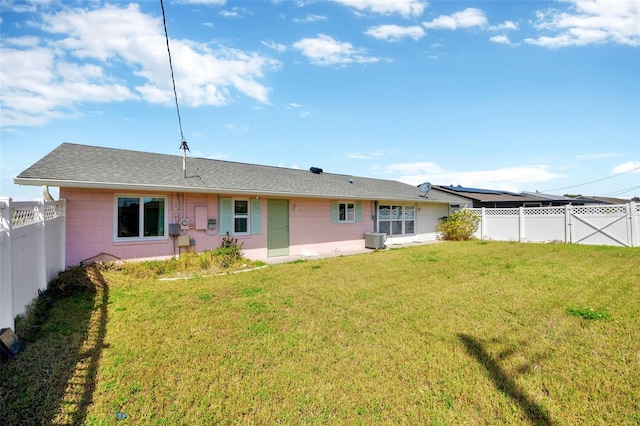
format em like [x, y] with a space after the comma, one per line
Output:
[375, 240]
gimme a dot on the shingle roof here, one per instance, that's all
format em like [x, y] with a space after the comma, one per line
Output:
[73, 165]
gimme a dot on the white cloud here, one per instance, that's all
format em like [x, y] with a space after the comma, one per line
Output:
[395, 32]
[310, 18]
[501, 39]
[505, 26]
[405, 8]
[357, 156]
[280, 48]
[235, 12]
[470, 17]
[509, 179]
[590, 22]
[52, 78]
[627, 167]
[27, 41]
[325, 50]
[37, 87]
[23, 7]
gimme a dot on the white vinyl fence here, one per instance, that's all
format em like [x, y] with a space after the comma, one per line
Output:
[614, 225]
[32, 252]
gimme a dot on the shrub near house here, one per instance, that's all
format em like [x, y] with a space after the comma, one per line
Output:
[459, 226]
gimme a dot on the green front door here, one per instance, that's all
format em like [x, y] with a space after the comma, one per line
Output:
[277, 228]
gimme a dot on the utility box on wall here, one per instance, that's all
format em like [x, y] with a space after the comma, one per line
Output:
[201, 217]
[184, 241]
[174, 230]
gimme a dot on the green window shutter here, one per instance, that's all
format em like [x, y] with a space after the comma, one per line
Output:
[256, 216]
[358, 212]
[335, 212]
[226, 216]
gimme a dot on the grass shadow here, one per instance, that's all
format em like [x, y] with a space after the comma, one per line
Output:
[535, 412]
[52, 380]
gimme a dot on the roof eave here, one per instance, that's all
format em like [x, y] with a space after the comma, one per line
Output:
[173, 188]
[103, 185]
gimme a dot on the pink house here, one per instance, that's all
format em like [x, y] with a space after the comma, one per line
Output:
[136, 205]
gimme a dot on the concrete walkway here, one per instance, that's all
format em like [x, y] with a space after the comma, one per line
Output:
[323, 255]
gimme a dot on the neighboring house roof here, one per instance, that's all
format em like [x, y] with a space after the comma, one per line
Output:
[548, 197]
[486, 195]
[602, 200]
[83, 166]
[577, 200]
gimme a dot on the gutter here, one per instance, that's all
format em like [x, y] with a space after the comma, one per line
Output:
[206, 190]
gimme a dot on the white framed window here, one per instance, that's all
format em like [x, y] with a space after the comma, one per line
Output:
[396, 219]
[346, 212]
[140, 218]
[241, 217]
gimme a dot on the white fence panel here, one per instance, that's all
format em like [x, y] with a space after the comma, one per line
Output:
[32, 252]
[27, 268]
[617, 225]
[544, 224]
[502, 224]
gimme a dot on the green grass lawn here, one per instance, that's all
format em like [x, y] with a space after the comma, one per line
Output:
[451, 333]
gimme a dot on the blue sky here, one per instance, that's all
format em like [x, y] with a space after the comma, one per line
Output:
[514, 95]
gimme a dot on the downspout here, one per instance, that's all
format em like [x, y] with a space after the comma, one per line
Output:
[46, 194]
[374, 216]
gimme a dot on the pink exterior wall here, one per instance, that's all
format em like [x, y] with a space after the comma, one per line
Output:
[311, 229]
[91, 218]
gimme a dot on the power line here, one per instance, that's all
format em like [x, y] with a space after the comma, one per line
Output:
[183, 142]
[593, 181]
[621, 191]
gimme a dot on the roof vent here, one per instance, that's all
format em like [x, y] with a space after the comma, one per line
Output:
[316, 170]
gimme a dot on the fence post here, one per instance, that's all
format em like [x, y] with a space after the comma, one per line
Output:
[6, 282]
[521, 234]
[483, 224]
[63, 236]
[42, 247]
[567, 223]
[634, 225]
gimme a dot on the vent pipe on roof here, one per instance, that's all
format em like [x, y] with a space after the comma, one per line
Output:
[315, 170]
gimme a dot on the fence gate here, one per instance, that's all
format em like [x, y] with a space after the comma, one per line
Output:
[609, 225]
